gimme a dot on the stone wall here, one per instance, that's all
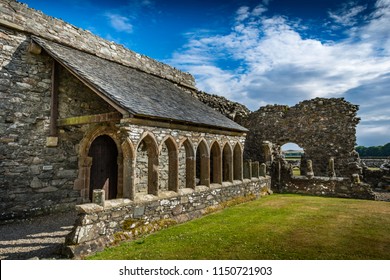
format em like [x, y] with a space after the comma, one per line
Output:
[374, 162]
[323, 127]
[34, 178]
[327, 186]
[233, 110]
[121, 219]
[19, 17]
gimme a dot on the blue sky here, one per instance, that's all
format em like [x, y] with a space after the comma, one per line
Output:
[258, 52]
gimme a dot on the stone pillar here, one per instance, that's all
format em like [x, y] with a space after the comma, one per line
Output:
[266, 148]
[303, 165]
[190, 172]
[331, 172]
[128, 178]
[153, 174]
[173, 170]
[309, 170]
[205, 170]
[255, 169]
[263, 170]
[247, 169]
[98, 197]
[356, 178]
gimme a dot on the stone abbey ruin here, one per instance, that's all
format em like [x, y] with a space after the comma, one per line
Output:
[88, 124]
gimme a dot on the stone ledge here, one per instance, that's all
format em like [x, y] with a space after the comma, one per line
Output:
[88, 208]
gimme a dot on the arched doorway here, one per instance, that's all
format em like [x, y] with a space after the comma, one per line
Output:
[104, 169]
[294, 154]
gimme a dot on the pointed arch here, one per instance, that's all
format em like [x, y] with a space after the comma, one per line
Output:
[169, 165]
[147, 165]
[215, 163]
[190, 163]
[238, 162]
[227, 163]
[203, 163]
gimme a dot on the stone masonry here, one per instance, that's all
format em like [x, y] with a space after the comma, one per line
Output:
[41, 172]
[324, 128]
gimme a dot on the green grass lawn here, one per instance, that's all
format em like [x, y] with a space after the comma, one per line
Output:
[273, 227]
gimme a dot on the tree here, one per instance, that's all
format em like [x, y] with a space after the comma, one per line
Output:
[374, 151]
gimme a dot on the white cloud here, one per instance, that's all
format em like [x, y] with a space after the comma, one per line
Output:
[120, 23]
[275, 64]
[347, 15]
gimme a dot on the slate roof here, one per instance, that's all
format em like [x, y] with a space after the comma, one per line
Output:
[139, 93]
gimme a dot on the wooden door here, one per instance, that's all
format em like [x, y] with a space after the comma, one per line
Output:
[104, 169]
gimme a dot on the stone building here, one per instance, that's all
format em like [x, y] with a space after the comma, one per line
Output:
[79, 113]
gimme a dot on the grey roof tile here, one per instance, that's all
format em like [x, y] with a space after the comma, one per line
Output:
[139, 93]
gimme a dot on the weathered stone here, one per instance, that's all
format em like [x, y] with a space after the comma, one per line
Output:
[36, 183]
[98, 197]
[324, 133]
[139, 211]
[89, 208]
[47, 189]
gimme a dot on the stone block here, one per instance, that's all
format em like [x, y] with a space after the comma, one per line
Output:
[139, 211]
[89, 208]
[51, 141]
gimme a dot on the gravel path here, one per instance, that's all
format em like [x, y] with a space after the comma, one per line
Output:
[40, 237]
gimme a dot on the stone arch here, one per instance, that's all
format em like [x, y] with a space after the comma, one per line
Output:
[296, 160]
[227, 163]
[189, 163]
[83, 181]
[238, 162]
[168, 165]
[203, 164]
[147, 165]
[215, 163]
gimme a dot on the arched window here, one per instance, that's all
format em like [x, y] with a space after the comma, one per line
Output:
[227, 163]
[169, 166]
[187, 165]
[202, 165]
[215, 164]
[293, 154]
[147, 166]
[237, 162]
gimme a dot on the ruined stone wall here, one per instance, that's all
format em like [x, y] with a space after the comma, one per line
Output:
[19, 17]
[326, 186]
[323, 127]
[233, 110]
[121, 219]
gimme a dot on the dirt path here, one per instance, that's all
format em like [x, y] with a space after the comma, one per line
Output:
[40, 237]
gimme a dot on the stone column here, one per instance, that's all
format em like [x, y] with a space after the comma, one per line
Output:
[266, 147]
[356, 179]
[247, 169]
[128, 178]
[309, 170]
[190, 172]
[255, 169]
[98, 197]
[331, 172]
[263, 170]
